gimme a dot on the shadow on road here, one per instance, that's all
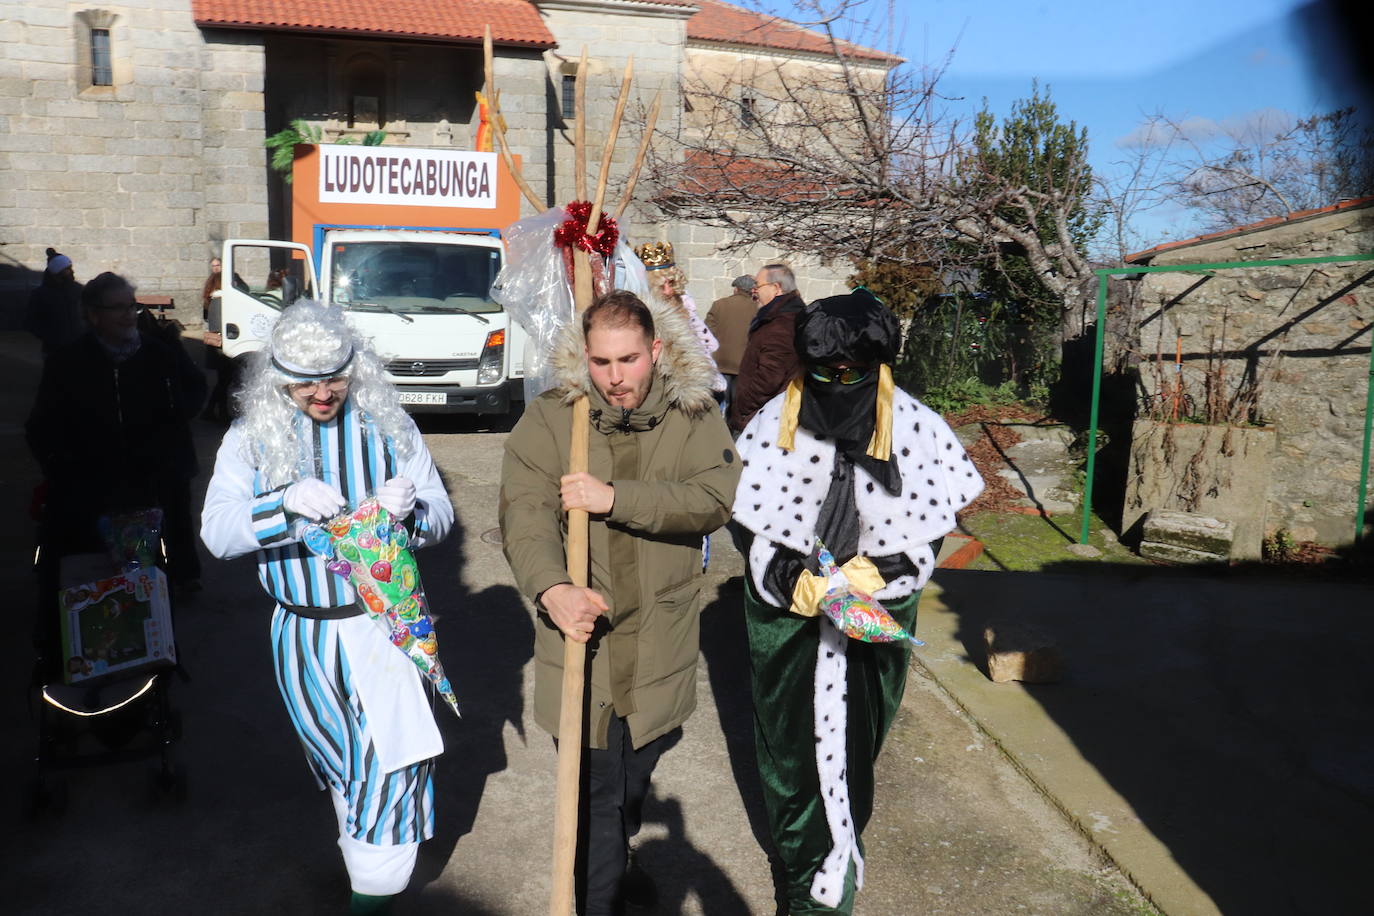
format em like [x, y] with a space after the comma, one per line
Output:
[1232, 711]
[725, 648]
[485, 640]
[680, 869]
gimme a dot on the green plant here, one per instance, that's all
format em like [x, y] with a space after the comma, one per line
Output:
[284, 142]
[960, 395]
[1280, 546]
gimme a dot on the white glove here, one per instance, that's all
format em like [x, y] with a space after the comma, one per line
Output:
[397, 497]
[312, 498]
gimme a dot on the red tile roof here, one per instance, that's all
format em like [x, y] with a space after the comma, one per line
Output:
[513, 22]
[1150, 253]
[721, 22]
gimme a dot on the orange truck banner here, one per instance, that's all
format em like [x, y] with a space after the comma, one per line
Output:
[398, 187]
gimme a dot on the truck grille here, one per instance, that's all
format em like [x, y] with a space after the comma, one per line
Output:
[424, 368]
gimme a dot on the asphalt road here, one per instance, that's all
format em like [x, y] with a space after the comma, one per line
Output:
[957, 829]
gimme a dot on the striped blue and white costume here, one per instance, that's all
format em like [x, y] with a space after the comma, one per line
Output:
[357, 703]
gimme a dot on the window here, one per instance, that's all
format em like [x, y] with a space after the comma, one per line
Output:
[569, 96]
[101, 73]
[747, 116]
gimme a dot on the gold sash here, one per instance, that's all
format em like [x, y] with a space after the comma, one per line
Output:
[811, 588]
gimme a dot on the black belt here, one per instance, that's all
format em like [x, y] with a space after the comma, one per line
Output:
[338, 612]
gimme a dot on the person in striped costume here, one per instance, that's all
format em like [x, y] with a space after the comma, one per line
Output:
[320, 430]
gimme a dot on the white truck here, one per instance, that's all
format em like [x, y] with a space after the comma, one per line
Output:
[423, 297]
[407, 241]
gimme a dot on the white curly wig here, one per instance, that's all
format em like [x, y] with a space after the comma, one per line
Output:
[310, 341]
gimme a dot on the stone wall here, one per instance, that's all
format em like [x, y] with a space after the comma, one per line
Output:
[1303, 331]
[699, 252]
[120, 177]
[611, 34]
[150, 175]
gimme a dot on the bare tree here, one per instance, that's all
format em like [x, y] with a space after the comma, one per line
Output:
[835, 156]
[1269, 166]
[856, 157]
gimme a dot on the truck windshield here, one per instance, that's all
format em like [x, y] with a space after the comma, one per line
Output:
[413, 277]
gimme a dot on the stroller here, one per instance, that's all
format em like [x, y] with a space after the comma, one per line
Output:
[105, 652]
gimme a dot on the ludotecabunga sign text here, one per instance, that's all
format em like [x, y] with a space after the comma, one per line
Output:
[407, 177]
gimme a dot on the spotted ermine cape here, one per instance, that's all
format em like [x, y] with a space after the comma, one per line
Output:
[780, 493]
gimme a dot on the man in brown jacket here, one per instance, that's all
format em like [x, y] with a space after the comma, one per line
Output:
[770, 358]
[661, 474]
[729, 319]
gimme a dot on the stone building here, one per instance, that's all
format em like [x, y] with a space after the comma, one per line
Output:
[131, 136]
[1298, 335]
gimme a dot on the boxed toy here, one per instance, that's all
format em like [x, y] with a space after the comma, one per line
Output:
[116, 627]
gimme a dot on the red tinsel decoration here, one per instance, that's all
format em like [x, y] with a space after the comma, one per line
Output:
[573, 231]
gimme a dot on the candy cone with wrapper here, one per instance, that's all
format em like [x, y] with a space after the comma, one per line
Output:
[856, 614]
[371, 550]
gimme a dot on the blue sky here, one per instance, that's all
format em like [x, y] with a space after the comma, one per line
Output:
[1109, 65]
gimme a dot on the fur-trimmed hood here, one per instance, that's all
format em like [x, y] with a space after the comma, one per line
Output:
[684, 369]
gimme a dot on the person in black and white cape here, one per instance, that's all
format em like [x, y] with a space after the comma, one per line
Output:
[845, 457]
[320, 430]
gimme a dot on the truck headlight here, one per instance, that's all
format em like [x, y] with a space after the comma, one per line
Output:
[493, 361]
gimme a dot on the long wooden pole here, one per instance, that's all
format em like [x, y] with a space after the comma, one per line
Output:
[639, 156]
[570, 716]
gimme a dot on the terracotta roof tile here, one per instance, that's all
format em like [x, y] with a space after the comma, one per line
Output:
[1149, 253]
[721, 22]
[513, 22]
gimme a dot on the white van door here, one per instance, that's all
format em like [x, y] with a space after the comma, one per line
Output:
[259, 279]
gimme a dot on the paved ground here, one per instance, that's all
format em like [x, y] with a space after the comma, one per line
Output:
[1230, 744]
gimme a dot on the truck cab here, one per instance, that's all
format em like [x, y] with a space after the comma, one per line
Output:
[423, 297]
[407, 242]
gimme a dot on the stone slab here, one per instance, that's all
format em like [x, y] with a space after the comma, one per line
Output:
[1187, 529]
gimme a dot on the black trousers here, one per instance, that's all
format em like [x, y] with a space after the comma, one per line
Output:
[617, 784]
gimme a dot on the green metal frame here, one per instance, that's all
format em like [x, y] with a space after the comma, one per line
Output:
[1105, 272]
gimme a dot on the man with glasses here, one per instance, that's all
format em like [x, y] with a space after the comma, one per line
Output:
[845, 459]
[321, 430]
[770, 358]
[111, 429]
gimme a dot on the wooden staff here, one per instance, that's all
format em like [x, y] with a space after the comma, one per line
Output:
[639, 156]
[574, 653]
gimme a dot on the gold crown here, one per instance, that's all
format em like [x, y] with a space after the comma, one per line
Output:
[655, 255]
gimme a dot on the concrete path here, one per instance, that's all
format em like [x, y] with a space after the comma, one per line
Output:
[1185, 712]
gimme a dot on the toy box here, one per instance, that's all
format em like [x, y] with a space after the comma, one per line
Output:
[115, 627]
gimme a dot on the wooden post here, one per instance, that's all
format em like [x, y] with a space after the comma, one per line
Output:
[571, 716]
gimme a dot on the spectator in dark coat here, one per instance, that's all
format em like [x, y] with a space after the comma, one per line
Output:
[729, 320]
[54, 312]
[110, 428]
[770, 358]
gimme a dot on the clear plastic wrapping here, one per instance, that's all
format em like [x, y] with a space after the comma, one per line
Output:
[536, 291]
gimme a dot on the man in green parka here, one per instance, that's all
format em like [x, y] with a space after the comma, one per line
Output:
[661, 474]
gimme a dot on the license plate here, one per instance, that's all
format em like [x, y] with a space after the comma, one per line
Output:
[423, 397]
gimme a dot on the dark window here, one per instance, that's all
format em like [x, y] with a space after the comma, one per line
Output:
[569, 96]
[100, 58]
[747, 117]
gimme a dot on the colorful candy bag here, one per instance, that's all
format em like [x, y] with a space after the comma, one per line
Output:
[856, 614]
[132, 538]
[371, 550]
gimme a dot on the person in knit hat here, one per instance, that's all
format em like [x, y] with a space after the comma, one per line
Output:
[54, 310]
[319, 431]
[842, 458]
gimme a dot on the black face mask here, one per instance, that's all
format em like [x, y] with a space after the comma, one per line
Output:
[848, 414]
[845, 413]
